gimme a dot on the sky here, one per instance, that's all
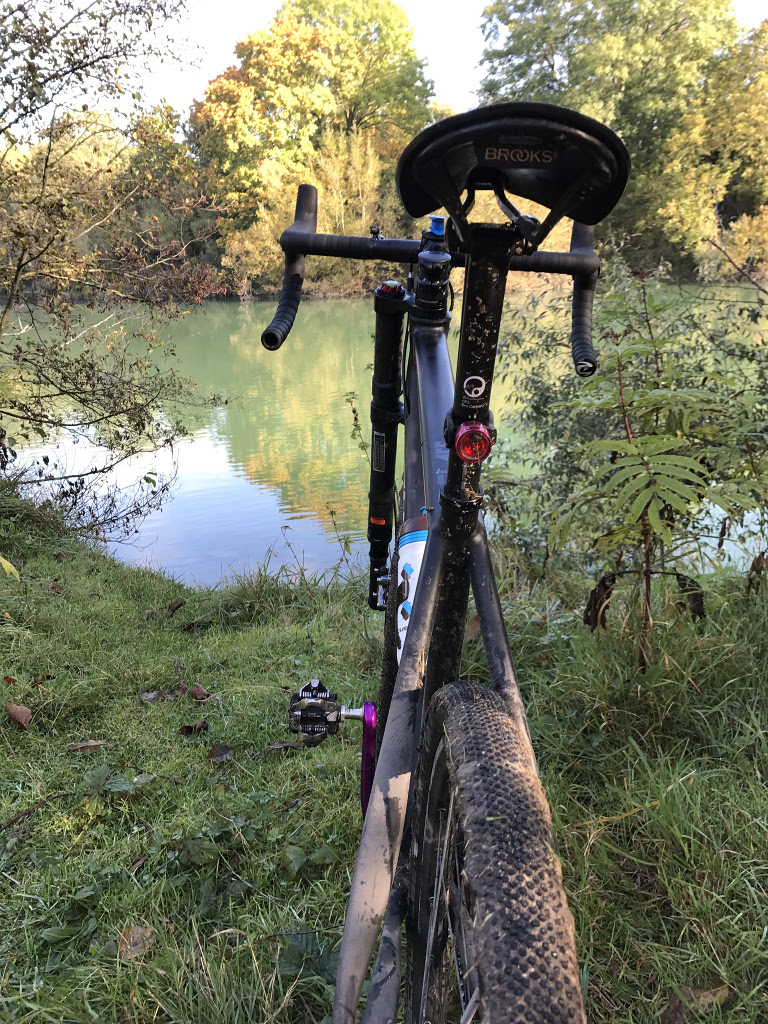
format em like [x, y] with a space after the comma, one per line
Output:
[214, 26]
[452, 55]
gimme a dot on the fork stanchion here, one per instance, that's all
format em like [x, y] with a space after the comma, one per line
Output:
[390, 303]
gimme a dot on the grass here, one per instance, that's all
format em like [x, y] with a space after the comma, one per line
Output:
[230, 877]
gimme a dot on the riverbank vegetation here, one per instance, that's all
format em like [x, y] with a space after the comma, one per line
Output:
[147, 204]
[114, 216]
[167, 855]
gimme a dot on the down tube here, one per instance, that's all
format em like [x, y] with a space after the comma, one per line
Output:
[436, 387]
[385, 818]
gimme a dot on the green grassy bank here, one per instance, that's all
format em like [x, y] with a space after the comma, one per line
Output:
[202, 877]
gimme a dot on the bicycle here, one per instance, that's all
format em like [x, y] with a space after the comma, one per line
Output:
[456, 843]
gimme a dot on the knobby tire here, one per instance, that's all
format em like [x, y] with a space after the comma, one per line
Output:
[495, 914]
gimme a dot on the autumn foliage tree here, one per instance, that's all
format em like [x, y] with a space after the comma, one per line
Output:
[87, 215]
[637, 65]
[377, 83]
[329, 93]
[716, 166]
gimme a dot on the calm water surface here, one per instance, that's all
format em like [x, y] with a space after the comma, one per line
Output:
[260, 476]
[272, 471]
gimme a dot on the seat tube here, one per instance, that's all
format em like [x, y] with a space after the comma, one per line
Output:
[386, 415]
[484, 285]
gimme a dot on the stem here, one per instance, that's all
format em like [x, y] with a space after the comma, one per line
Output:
[647, 541]
[624, 410]
[12, 291]
[647, 620]
[741, 270]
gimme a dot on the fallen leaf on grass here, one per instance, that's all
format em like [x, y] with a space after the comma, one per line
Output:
[688, 1004]
[86, 747]
[293, 858]
[174, 606]
[196, 624]
[10, 569]
[138, 863]
[10, 680]
[198, 692]
[151, 696]
[181, 690]
[190, 730]
[473, 628]
[55, 588]
[219, 753]
[19, 714]
[134, 941]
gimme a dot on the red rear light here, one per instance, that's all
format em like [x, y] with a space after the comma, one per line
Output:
[473, 442]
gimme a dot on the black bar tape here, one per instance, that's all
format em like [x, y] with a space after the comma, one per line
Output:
[301, 240]
[290, 297]
[353, 247]
[584, 284]
[586, 262]
[305, 222]
[406, 250]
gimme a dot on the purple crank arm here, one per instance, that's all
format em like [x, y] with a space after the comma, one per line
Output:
[368, 762]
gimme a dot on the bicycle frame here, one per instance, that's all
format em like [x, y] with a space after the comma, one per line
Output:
[575, 167]
[456, 556]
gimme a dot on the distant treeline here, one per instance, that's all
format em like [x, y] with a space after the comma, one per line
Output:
[330, 93]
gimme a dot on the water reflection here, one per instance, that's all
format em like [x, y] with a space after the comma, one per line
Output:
[261, 473]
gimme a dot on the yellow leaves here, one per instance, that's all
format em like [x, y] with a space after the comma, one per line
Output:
[274, 100]
[718, 153]
[748, 241]
[10, 568]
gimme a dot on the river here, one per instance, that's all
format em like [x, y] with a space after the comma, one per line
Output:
[271, 472]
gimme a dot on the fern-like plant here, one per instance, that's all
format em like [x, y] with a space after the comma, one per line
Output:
[668, 436]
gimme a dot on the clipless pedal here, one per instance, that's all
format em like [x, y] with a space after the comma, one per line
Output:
[314, 714]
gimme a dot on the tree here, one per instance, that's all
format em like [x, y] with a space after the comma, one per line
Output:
[318, 69]
[355, 191]
[55, 57]
[87, 215]
[715, 176]
[634, 64]
[264, 112]
[327, 94]
[378, 82]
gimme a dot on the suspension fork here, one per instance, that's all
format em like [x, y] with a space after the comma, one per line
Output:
[390, 305]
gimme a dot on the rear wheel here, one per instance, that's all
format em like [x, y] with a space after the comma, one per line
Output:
[491, 938]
